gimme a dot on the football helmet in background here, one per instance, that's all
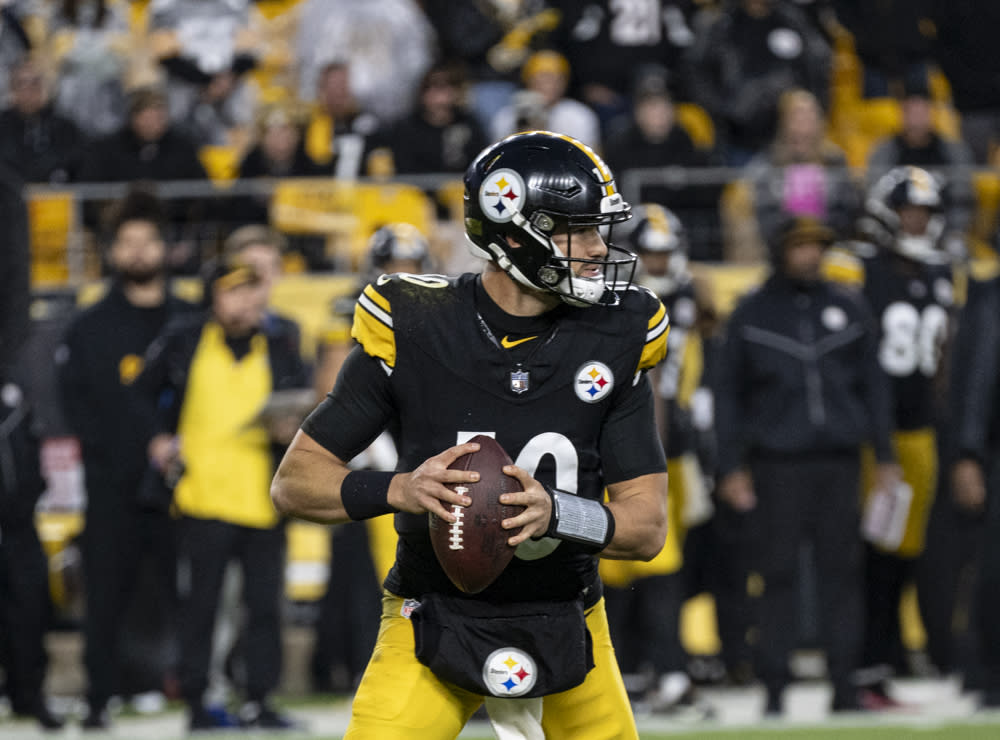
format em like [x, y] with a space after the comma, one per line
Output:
[395, 243]
[661, 241]
[881, 222]
[530, 186]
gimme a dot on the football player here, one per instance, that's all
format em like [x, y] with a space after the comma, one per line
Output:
[645, 599]
[907, 276]
[547, 349]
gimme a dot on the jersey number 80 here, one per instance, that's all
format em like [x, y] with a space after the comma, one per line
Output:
[912, 339]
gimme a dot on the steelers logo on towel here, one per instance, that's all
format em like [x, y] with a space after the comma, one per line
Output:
[509, 672]
[501, 195]
[594, 381]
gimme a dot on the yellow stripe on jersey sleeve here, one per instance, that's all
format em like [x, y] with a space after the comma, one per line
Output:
[373, 326]
[656, 339]
[842, 267]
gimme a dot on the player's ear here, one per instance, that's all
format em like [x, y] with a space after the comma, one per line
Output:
[511, 241]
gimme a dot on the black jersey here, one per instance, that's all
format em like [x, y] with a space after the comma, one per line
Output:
[912, 302]
[566, 397]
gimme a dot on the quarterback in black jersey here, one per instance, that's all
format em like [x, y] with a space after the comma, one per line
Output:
[546, 350]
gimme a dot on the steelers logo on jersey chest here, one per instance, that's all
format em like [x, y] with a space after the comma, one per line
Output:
[594, 381]
[501, 195]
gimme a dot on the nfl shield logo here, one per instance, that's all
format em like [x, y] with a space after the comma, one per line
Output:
[518, 381]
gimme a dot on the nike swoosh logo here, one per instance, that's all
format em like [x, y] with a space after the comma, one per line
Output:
[508, 343]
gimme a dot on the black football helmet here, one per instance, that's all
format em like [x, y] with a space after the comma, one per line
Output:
[881, 223]
[656, 230]
[397, 241]
[530, 186]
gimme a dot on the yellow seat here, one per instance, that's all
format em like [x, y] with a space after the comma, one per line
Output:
[221, 162]
[51, 225]
[986, 186]
[697, 123]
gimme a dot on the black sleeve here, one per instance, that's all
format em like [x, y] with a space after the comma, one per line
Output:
[15, 258]
[23, 484]
[730, 422]
[630, 445]
[163, 378]
[877, 391]
[976, 363]
[73, 361]
[356, 411]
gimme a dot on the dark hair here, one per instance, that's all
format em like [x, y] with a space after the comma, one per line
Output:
[139, 204]
[70, 10]
[251, 234]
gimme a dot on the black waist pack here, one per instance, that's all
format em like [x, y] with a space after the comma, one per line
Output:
[524, 649]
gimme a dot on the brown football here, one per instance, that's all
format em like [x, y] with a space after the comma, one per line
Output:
[473, 551]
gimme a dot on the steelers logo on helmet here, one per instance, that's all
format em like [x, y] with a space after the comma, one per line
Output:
[502, 195]
[594, 381]
[509, 672]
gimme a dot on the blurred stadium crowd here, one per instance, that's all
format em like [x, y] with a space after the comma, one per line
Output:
[266, 158]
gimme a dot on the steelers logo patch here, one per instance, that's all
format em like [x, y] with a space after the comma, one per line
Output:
[594, 381]
[501, 195]
[834, 318]
[509, 672]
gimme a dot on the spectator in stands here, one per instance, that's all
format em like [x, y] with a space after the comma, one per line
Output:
[146, 148]
[652, 138]
[918, 144]
[89, 50]
[966, 51]
[37, 141]
[279, 151]
[340, 130]
[892, 39]
[279, 147]
[542, 103]
[442, 135]
[15, 44]
[744, 60]
[607, 41]
[215, 377]
[799, 392]
[126, 517]
[149, 149]
[803, 172]
[493, 40]
[389, 43]
[24, 595]
[206, 48]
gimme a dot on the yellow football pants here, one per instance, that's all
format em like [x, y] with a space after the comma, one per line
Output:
[400, 699]
[916, 451]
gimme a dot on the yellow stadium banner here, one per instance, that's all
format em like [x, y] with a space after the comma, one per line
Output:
[348, 213]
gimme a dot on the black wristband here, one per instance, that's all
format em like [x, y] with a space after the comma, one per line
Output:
[584, 521]
[365, 494]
